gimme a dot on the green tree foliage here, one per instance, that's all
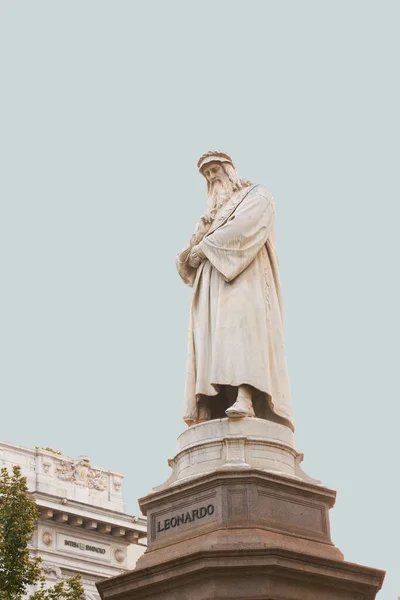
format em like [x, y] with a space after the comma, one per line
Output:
[18, 516]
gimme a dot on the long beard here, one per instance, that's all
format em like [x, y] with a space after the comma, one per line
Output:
[219, 193]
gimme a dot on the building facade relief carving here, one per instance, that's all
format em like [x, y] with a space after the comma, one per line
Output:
[47, 538]
[47, 464]
[81, 473]
[117, 483]
[51, 569]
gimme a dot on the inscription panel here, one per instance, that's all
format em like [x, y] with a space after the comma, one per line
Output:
[74, 545]
[183, 517]
[291, 515]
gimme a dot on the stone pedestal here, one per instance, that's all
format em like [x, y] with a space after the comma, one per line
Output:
[225, 444]
[238, 519]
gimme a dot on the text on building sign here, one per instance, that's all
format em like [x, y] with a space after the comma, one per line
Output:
[85, 547]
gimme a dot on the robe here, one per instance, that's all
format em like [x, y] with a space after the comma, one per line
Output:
[236, 332]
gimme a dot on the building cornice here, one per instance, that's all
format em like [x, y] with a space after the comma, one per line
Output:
[95, 519]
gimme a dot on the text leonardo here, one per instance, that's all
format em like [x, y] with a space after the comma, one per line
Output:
[188, 517]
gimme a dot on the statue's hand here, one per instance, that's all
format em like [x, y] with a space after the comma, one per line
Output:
[208, 217]
[202, 227]
[196, 238]
[196, 257]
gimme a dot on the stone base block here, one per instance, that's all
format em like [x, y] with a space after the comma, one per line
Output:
[250, 575]
[241, 534]
[227, 509]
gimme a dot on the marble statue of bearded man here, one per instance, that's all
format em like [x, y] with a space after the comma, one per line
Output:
[236, 363]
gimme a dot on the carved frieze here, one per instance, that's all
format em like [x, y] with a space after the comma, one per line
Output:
[81, 473]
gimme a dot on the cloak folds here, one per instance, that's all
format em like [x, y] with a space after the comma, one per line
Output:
[236, 332]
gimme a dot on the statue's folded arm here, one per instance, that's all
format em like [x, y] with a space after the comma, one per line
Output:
[236, 243]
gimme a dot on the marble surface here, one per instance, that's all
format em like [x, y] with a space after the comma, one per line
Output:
[224, 444]
[236, 338]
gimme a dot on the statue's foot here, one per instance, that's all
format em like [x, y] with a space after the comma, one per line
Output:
[204, 412]
[240, 409]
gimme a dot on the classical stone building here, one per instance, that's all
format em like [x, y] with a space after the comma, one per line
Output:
[83, 527]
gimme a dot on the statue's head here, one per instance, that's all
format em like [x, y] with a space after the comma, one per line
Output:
[221, 176]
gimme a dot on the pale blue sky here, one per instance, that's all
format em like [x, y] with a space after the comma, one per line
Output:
[105, 108]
